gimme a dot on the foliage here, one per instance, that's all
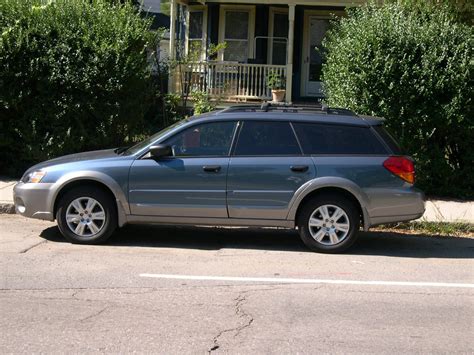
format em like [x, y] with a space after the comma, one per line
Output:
[215, 49]
[456, 229]
[74, 75]
[171, 106]
[413, 67]
[276, 81]
[460, 10]
[185, 66]
[202, 102]
[165, 7]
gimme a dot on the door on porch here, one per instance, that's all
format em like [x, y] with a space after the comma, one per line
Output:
[315, 28]
[278, 36]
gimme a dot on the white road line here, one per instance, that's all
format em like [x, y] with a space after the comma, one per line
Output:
[308, 281]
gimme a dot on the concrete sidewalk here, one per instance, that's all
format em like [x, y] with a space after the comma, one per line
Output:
[448, 211]
[6, 196]
[436, 210]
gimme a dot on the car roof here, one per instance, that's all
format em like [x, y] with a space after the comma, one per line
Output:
[318, 114]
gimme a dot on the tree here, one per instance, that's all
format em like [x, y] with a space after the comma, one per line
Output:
[74, 75]
[165, 7]
[412, 65]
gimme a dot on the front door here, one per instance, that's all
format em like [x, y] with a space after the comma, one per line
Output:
[316, 27]
[191, 183]
[265, 171]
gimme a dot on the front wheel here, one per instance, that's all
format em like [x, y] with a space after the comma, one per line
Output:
[86, 215]
[329, 224]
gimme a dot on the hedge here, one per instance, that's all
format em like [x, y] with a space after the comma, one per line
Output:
[412, 66]
[74, 75]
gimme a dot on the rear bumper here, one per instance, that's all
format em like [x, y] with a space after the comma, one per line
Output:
[393, 219]
[400, 207]
[33, 200]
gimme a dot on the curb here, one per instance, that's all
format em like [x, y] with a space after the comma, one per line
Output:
[7, 208]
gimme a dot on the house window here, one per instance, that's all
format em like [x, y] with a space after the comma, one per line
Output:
[237, 31]
[196, 33]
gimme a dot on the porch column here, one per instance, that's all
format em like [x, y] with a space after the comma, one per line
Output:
[172, 48]
[289, 64]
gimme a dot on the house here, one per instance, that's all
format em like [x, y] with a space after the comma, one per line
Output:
[261, 37]
[152, 8]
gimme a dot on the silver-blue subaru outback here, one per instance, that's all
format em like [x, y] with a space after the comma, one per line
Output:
[326, 172]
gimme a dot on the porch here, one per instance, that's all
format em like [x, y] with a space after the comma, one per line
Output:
[227, 81]
[260, 38]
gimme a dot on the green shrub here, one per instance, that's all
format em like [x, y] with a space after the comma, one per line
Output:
[276, 81]
[202, 102]
[415, 69]
[74, 75]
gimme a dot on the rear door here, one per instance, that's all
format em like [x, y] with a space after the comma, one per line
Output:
[265, 170]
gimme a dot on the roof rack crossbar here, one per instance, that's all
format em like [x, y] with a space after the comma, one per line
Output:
[284, 107]
[237, 108]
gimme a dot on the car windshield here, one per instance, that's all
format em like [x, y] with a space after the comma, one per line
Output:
[139, 146]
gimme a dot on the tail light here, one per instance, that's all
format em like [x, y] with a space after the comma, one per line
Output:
[402, 167]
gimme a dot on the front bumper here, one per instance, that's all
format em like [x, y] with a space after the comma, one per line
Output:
[33, 200]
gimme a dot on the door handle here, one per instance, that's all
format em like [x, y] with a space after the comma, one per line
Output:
[211, 168]
[299, 168]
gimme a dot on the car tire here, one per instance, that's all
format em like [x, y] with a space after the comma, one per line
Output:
[320, 232]
[82, 226]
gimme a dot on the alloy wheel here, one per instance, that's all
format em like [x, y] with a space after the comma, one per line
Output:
[85, 217]
[329, 224]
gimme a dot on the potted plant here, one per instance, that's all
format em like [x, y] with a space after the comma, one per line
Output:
[276, 82]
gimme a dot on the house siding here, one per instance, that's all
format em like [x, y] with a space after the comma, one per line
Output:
[261, 29]
[151, 5]
[297, 52]
[213, 23]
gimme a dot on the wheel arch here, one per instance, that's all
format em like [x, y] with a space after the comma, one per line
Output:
[329, 185]
[100, 180]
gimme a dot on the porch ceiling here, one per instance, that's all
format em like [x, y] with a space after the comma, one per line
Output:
[342, 3]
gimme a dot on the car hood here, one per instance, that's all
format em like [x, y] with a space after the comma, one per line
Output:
[71, 158]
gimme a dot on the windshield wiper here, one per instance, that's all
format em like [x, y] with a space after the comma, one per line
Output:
[121, 150]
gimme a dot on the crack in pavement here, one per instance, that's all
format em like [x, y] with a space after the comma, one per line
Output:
[96, 314]
[239, 311]
[149, 289]
[23, 251]
[78, 289]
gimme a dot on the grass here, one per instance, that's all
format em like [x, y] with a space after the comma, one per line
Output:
[431, 228]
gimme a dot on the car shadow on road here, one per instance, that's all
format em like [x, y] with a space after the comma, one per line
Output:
[200, 238]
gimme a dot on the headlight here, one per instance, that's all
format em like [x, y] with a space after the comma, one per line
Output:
[35, 176]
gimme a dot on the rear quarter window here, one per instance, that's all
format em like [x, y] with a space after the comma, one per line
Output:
[338, 139]
[388, 139]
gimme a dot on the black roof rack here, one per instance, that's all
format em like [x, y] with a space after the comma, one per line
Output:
[284, 107]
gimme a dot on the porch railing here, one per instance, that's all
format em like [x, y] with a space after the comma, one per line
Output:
[228, 81]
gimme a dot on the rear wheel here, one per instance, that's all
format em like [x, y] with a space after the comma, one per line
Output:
[86, 215]
[329, 224]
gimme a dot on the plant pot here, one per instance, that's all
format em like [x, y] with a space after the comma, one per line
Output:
[278, 95]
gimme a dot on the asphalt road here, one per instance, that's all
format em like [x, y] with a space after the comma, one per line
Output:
[151, 289]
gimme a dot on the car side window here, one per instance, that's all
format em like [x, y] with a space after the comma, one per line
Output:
[266, 138]
[337, 139]
[207, 139]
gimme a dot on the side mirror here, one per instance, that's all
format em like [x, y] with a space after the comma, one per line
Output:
[161, 150]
